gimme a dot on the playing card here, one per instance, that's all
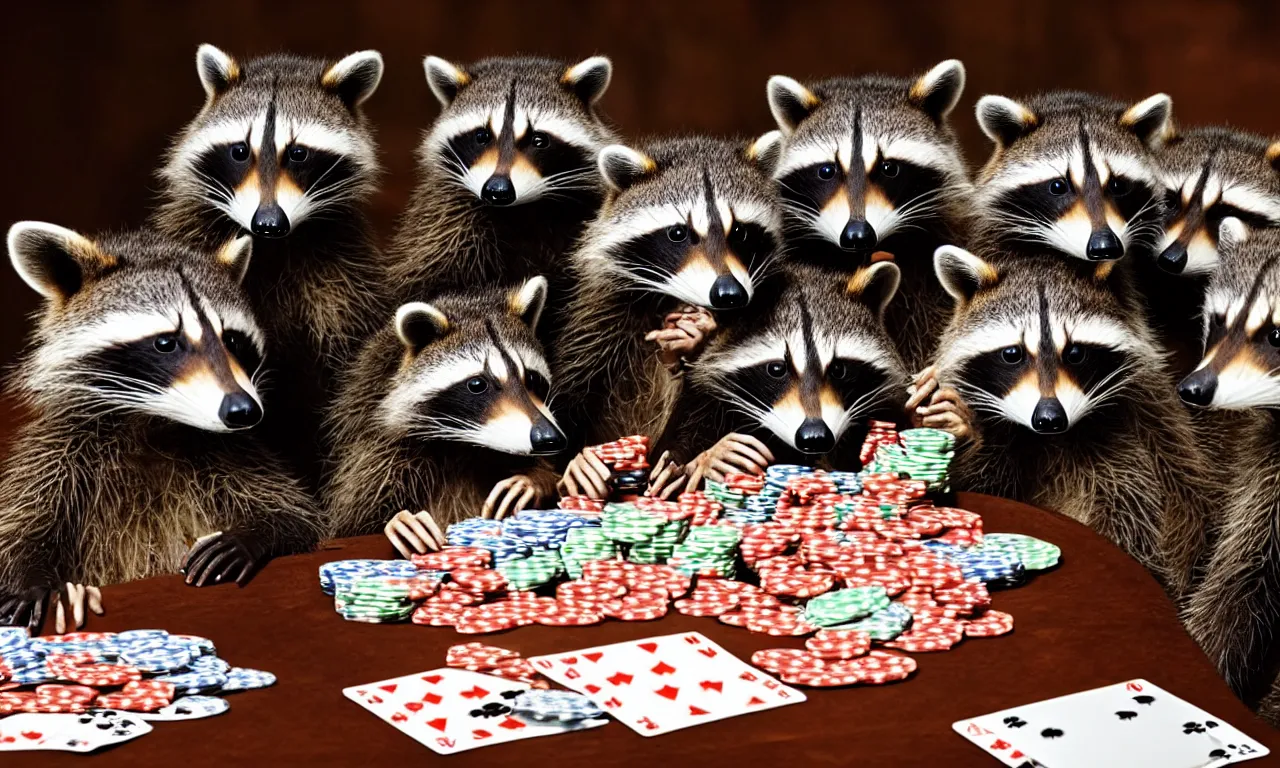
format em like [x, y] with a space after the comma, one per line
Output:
[662, 684]
[189, 708]
[453, 710]
[104, 727]
[1127, 725]
[69, 732]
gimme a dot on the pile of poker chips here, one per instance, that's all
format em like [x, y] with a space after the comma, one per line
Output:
[628, 460]
[143, 670]
[920, 454]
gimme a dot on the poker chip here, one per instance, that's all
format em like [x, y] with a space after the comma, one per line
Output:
[838, 644]
[555, 706]
[240, 679]
[989, 624]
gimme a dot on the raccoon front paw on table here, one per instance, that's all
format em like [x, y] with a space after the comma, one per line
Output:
[68, 605]
[221, 557]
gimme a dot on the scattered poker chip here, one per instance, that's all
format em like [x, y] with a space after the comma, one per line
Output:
[241, 679]
[989, 624]
[555, 705]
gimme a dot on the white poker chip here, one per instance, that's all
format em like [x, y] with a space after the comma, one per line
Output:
[241, 679]
[547, 705]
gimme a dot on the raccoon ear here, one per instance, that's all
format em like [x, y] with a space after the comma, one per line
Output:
[217, 70]
[1273, 155]
[1232, 233]
[875, 285]
[1005, 120]
[766, 151]
[55, 261]
[790, 102]
[445, 79]
[234, 256]
[938, 90]
[418, 324]
[961, 273]
[589, 78]
[622, 166]
[527, 303]
[355, 77]
[1151, 120]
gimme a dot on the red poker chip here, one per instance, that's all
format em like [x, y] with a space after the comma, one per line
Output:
[132, 703]
[779, 624]
[820, 678]
[571, 617]
[778, 660]
[839, 644]
[476, 656]
[436, 615]
[691, 607]
[479, 580]
[989, 624]
[65, 692]
[643, 613]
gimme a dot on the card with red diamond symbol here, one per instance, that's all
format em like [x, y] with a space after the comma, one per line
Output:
[663, 684]
[453, 710]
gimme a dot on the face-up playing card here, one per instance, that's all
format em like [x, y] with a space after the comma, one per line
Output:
[1127, 725]
[663, 684]
[453, 710]
[69, 732]
[189, 708]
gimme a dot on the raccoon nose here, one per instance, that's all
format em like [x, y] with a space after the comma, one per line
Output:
[858, 235]
[498, 190]
[1049, 418]
[239, 411]
[545, 438]
[1104, 246]
[728, 293]
[1198, 388]
[814, 436]
[270, 221]
[1173, 259]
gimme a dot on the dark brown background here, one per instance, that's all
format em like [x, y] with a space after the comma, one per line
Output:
[92, 91]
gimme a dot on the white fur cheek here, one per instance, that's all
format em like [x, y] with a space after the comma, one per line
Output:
[1202, 256]
[1069, 235]
[693, 284]
[784, 420]
[833, 417]
[1021, 402]
[294, 204]
[194, 402]
[528, 183]
[1243, 387]
[244, 205]
[1074, 401]
[508, 433]
[833, 219]
[882, 218]
[478, 174]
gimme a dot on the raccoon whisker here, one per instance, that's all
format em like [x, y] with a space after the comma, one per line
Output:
[862, 406]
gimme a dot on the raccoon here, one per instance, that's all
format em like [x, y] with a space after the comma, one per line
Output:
[1210, 174]
[444, 402]
[507, 174]
[1073, 407]
[1072, 173]
[281, 149]
[908, 193]
[1235, 611]
[807, 367]
[140, 380]
[688, 221]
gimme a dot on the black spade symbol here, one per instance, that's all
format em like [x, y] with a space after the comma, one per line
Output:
[1192, 728]
[1145, 699]
[1218, 753]
[1051, 733]
[511, 694]
[1014, 722]
[1210, 723]
[1126, 715]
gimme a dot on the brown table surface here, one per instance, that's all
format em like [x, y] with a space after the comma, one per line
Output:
[1097, 619]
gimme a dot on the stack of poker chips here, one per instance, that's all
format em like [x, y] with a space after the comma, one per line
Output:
[923, 454]
[583, 545]
[339, 571]
[628, 460]
[539, 567]
[845, 605]
[709, 550]
[545, 528]
[380, 599]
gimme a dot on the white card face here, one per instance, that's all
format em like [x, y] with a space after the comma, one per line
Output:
[453, 710]
[1127, 725]
[69, 732]
[662, 684]
[188, 708]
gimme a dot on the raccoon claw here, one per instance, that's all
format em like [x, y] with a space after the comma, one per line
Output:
[25, 608]
[946, 411]
[221, 557]
[510, 495]
[587, 476]
[414, 533]
[667, 478]
[682, 336]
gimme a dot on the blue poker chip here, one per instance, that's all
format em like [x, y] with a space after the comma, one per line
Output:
[209, 664]
[13, 637]
[555, 705]
[130, 635]
[241, 679]
[33, 674]
[348, 570]
[200, 645]
[196, 682]
[158, 660]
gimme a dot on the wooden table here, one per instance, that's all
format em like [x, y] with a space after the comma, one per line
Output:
[1097, 619]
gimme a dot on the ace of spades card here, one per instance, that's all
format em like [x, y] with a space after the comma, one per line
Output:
[1127, 725]
[453, 710]
[662, 684]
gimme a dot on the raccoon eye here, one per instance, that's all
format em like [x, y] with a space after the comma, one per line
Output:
[826, 171]
[678, 234]
[737, 233]
[298, 154]
[1011, 355]
[1074, 354]
[240, 152]
[236, 343]
[536, 383]
[166, 343]
[1059, 187]
[540, 140]
[889, 169]
[1118, 187]
[483, 136]
[477, 385]
[838, 370]
[1273, 338]
[776, 369]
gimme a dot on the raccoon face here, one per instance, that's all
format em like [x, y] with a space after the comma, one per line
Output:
[700, 229]
[475, 375]
[1075, 178]
[1241, 367]
[807, 379]
[1026, 348]
[513, 131]
[135, 324]
[280, 139]
[1200, 198]
[863, 160]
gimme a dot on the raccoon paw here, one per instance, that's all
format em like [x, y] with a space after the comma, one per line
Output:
[586, 476]
[948, 412]
[66, 605]
[25, 607]
[683, 336]
[511, 495]
[414, 533]
[667, 478]
[734, 452]
[220, 557]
